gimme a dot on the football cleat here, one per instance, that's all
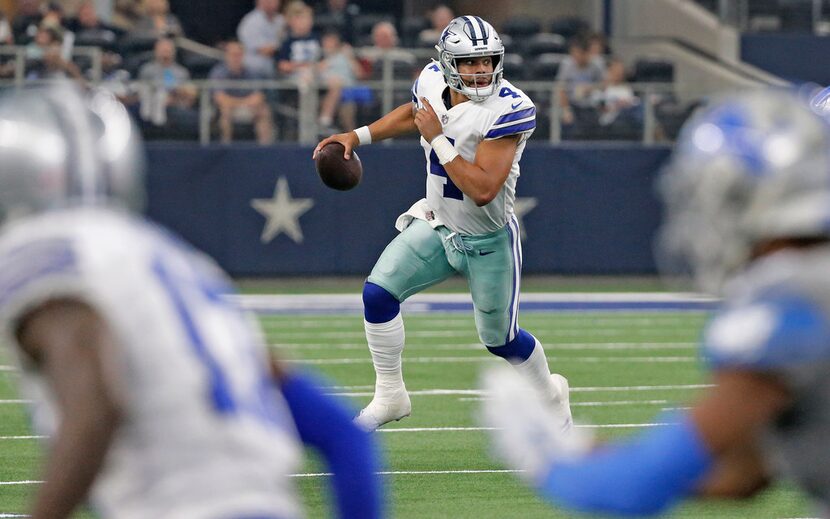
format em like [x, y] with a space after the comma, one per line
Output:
[385, 409]
[525, 431]
[562, 401]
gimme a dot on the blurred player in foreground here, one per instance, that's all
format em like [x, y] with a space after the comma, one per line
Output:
[474, 126]
[747, 196]
[159, 396]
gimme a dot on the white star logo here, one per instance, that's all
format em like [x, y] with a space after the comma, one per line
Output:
[282, 213]
[521, 207]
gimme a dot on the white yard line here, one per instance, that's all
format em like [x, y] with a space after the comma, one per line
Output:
[417, 472]
[589, 331]
[471, 429]
[613, 403]
[478, 392]
[457, 360]
[551, 346]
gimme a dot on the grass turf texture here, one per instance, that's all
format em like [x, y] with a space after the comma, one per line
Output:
[594, 350]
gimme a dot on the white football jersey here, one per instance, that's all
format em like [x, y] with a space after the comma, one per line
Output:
[204, 433]
[507, 112]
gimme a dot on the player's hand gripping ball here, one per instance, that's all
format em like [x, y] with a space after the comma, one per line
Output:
[335, 171]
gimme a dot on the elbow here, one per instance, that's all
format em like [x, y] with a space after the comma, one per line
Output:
[484, 198]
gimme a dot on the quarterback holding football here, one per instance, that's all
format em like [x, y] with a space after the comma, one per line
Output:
[474, 126]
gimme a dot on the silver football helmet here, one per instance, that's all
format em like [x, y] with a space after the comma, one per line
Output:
[62, 147]
[746, 169]
[465, 37]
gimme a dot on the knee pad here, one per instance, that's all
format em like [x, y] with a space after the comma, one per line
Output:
[516, 351]
[379, 306]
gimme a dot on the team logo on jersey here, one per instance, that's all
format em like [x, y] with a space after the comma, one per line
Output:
[445, 118]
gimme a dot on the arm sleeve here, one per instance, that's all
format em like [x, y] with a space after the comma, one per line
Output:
[640, 477]
[350, 453]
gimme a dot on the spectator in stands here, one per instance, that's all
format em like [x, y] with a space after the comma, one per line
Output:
[598, 48]
[339, 70]
[26, 21]
[45, 37]
[6, 33]
[240, 104]
[301, 50]
[118, 81]
[89, 28]
[166, 85]
[617, 99]
[126, 14]
[261, 33]
[439, 17]
[385, 46]
[46, 59]
[580, 76]
[157, 22]
[341, 14]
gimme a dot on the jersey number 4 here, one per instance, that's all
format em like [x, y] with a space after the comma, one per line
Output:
[435, 168]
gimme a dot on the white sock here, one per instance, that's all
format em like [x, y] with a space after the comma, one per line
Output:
[386, 342]
[535, 370]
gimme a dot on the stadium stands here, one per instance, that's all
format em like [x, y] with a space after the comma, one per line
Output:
[535, 50]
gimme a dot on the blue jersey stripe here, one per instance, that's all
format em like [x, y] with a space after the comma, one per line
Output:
[515, 116]
[33, 261]
[510, 130]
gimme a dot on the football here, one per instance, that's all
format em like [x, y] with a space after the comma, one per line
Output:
[335, 171]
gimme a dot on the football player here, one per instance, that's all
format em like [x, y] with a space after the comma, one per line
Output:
[158, 395]
[474, 126]
[747, 197]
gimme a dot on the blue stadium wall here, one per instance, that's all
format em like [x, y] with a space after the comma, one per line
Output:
[595, 207]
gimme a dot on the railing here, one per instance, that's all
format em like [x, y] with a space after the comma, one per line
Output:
[296, 109]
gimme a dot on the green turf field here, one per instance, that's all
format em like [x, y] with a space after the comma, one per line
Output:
[624, 368]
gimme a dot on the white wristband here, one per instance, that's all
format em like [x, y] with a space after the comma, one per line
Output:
[364, 136]
[444, 149]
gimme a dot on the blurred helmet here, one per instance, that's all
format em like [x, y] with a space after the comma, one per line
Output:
[747, 169]
[466, 37]
[61, 147]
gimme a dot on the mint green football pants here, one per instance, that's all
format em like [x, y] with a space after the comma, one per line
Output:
[421, 257]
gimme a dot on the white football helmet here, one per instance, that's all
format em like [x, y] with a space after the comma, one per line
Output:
[62, 147]
[465, 37]
[750, 168]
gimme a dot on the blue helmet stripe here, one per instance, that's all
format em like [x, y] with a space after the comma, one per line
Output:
[473, 34]
[484, 34]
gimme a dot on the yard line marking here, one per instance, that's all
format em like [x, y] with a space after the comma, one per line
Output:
[471, 332]
[440, 429]
[576, 346]
[585, 389]
[13, 515]
[6, 483]
[622, 345]
[611, 403]
[2, 402]
[468, 429]
[8, 368]
[454, 360]
[416, 472]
